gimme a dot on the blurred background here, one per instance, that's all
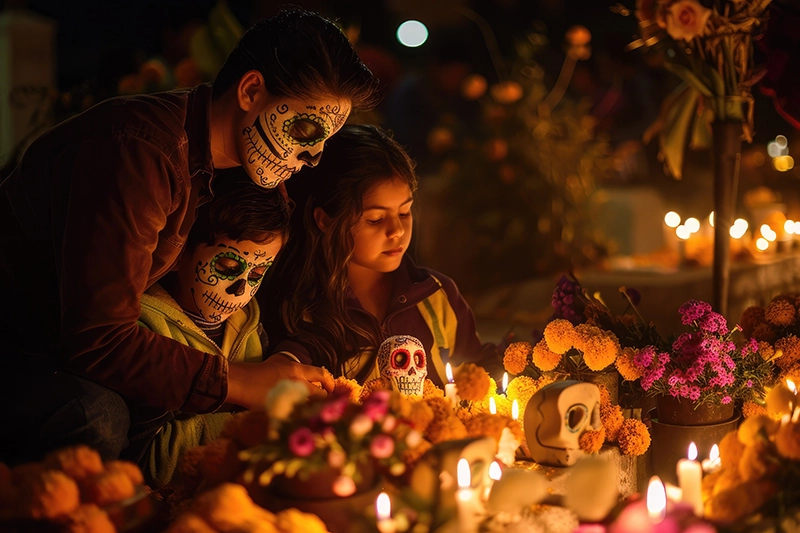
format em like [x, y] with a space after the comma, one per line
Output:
[531, 123]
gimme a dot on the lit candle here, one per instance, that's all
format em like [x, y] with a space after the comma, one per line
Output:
[465, 499]
[492, 405]
[450, 391]
[515, 409]
[505, 383]
[690, 479]
[383, 510]
[713, 462]
[656, 500]
[495, 473]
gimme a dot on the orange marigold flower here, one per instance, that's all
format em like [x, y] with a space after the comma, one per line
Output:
[751, 317]
[545, 380]
[612, 419]
[793, 373]
[625, 366]
[410, 456]
[752, 409]
[738, 501]
[486, 425]
[430, 390]
[633, 437]
[755, 463]
[605, 396]
[600, 348]
[441, 408]
[790, 346]
[787, 440]
[591, 441]
[451, 428]
[373, 385]
[348, 387]
[559, 335]
[466, 414]
[472, 382]
[516, 357]
[766, 351]
[421, 416]
[522, 388]
[544, 358]
[780, 313]
[730, 450]
[764, 332]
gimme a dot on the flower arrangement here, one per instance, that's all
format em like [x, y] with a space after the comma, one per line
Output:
[706, 365]
[333, 434]
[757, 479]
[777, 325]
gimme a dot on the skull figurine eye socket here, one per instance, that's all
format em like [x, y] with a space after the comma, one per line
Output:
[419, 359]
[575, 417]
[400, 359]
[228, 265]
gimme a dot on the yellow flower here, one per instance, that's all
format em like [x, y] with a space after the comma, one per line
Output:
[373, 385]
[780, 313]
[790, 346]
[625, 366]
[421, 416]
[501, 402]
[766, 351]
[516, 357]
[633, 437]
[612, 419]
[347, 386]
[451, 428]
[472, 382]
[754, 463]
[430, 390]
[522, 388]
[559, 335]
[750, 430]
[591, 441]
[735, 503]
[600, 348]
[291, 520]
[787, 440]
[543, 358]
[441, 408]
[752, 409]
[730, 450]
[486, 425]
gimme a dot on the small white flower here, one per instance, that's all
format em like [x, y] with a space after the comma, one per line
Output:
[283, 397]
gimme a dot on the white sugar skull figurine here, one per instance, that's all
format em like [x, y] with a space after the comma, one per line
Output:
[402, 360]
[555, 418]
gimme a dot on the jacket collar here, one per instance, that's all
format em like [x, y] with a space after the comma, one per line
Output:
[412, 284]
[198, 130]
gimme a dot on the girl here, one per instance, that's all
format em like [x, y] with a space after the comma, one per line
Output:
[347, 283]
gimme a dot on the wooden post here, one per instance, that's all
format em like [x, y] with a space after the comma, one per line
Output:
[727, 158]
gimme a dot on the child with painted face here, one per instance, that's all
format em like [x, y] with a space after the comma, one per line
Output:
[207, 302]
[347, 283]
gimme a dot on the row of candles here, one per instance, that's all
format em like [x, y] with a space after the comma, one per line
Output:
[766, 234]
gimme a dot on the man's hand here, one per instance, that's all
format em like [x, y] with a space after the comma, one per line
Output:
[249, 383]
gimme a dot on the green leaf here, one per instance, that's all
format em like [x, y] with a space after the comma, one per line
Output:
[702, 137]
[687, 75]
[673, 138]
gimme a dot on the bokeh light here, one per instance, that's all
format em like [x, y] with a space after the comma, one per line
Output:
[672, 219]
[412, 33]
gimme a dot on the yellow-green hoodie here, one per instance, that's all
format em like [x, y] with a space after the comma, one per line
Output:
[241, 342]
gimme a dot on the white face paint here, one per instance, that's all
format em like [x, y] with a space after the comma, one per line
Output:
[218, 279]
[288, 134]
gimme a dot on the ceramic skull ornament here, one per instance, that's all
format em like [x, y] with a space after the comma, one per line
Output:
[402, 360]
[555, 418]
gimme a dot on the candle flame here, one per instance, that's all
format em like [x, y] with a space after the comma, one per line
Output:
[463, 474]
[515, 409]
[495, 472]
[714, 453]
[383, 506]
[692, 455]
[448, 370]
[505, 381]
[792, 386]
[492, 405]
[656, 499]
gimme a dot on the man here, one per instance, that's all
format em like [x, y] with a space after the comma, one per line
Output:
[99, 209]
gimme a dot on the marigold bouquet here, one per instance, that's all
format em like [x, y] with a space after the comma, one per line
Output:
[777, 324]
[705, 365]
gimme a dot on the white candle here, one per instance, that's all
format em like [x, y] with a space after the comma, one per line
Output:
[495, 473]
[505, 383]
[466, 499]
[515, 409]
[383, 510]
[690, 479]
[450, 391]
[656, 500]
[492, 405]
[713, 463]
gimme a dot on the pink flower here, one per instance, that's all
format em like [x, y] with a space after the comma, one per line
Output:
[684, 19]
[301, 442]
[382, 446]
[333, 410]
[336, 459]
[344, 486]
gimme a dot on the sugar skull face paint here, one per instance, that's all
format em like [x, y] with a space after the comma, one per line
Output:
[288, 134]
[220, 278]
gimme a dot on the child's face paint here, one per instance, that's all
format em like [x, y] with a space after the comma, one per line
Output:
[287, 134]
[218, 279]
[383, 233]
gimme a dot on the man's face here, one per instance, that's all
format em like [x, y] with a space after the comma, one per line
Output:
[218, 279]
[286, 134]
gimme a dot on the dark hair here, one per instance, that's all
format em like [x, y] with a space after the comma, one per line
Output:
[300, 54]
[241, 210]
[355, 160]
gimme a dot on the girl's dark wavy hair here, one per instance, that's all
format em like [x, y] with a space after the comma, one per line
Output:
[301, 54]
[311, 280]
[241, 210]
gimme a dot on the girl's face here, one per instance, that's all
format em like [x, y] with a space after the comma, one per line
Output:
[383, 232]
